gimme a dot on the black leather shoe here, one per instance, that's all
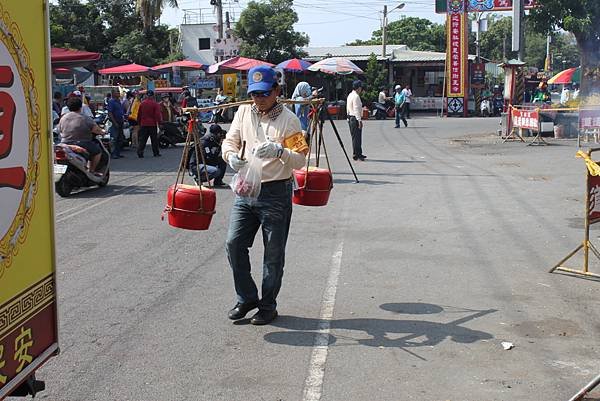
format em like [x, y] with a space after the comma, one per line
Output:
[240, 310]
[361, 158]
[354, 157]
[263, 317]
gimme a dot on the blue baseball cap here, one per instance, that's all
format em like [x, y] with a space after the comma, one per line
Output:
[261, 78]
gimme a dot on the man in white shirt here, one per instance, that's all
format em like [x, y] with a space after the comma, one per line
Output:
[382, 96]
[271, 133]
[354, 112]
[407, 95]
[565, 95]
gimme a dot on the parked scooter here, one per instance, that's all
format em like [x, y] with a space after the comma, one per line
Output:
[378, 111]
[485, 107]
[70, 168]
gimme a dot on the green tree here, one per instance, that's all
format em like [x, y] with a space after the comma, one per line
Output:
[266, 29]
[417, 33]
[582, 19]
[76, 25]
[113, 28]
[495, 44]
[151, 10]
[148, 48]
[375, 77]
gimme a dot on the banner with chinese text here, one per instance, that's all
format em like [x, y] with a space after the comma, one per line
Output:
[28, 330]
[457, 73]
[589, 118]
[484, 5]
[594, 198]
[526, 119]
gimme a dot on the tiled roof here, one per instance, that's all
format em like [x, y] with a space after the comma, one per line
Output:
[420, 56]
[395, 53]
[351, 52]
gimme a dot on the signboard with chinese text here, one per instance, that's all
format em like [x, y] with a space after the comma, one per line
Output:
[230, 82]
[484, 5]
[589, 118]
[526, 119]
[477, 75]
[457, 57]
[594, 198]
[28, 329]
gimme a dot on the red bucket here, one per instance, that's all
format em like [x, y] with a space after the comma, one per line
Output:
[314, 186]
[185, 208]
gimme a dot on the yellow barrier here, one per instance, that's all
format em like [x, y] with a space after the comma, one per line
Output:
[592, 215]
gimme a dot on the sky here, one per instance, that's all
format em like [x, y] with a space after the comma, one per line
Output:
[327, 23]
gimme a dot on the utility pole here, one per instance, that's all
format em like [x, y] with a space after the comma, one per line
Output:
[220, 17]
[518, 25]
[383, 32]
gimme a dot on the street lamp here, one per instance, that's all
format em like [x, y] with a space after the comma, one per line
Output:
[383, 30]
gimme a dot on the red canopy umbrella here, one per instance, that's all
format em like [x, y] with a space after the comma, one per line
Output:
[72, 58]
[237, 63]
[128, 69]
[183, 65]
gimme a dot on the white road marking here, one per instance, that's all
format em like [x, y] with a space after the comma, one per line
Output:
[313, 385]
[131, 187]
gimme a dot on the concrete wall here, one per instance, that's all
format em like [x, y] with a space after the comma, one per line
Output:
[190, 33]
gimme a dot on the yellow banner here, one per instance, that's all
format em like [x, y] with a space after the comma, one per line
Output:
[26, 191]
[230, 85]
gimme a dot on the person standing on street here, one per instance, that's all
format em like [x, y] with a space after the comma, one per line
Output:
[149, 118]
[407, 98]
[354, 112]
[400, 102]
[116, 114]
[271, 132]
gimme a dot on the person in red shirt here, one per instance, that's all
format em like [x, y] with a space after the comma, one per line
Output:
[149, 118]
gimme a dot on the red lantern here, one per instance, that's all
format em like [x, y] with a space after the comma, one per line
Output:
[190, 207]
[314, 184]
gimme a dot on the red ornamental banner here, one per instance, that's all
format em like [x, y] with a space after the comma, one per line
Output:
[527, 119]
[456, 54]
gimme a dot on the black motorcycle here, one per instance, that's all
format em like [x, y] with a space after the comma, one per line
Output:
[170, 134]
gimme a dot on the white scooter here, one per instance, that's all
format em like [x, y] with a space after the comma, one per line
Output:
[486, 108]
[71, 171]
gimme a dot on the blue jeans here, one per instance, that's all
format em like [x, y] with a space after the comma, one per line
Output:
[272, 212]
[116, 132]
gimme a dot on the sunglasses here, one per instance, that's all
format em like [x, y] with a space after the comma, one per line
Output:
[261, 93]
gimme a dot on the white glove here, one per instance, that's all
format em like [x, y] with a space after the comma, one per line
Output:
[235, 162]
[269, 150]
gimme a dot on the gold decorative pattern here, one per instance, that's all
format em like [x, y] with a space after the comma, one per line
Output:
[26, 305]
[10, 35]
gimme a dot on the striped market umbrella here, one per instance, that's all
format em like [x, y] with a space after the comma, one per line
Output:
[294, 65]
[567, 76]
[336, 65]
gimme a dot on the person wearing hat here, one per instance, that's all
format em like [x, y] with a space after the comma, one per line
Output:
[354, 112]
[215, 165]
[400, 102]
[272, 133]
[149, 118]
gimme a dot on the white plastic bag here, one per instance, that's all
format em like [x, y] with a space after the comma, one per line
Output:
[247, 182]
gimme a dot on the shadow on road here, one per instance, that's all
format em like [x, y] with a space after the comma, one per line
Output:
[112, 190]
[383, 332]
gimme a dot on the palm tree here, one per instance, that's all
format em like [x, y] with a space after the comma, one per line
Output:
[150, 10]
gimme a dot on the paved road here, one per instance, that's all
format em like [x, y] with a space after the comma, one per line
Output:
[402, 288]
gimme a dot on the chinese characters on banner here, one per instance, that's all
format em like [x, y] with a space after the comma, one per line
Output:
[484, 5]
[527, 119]
[28, 322]
[457, 57]
[589, 118]
[594, 198]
